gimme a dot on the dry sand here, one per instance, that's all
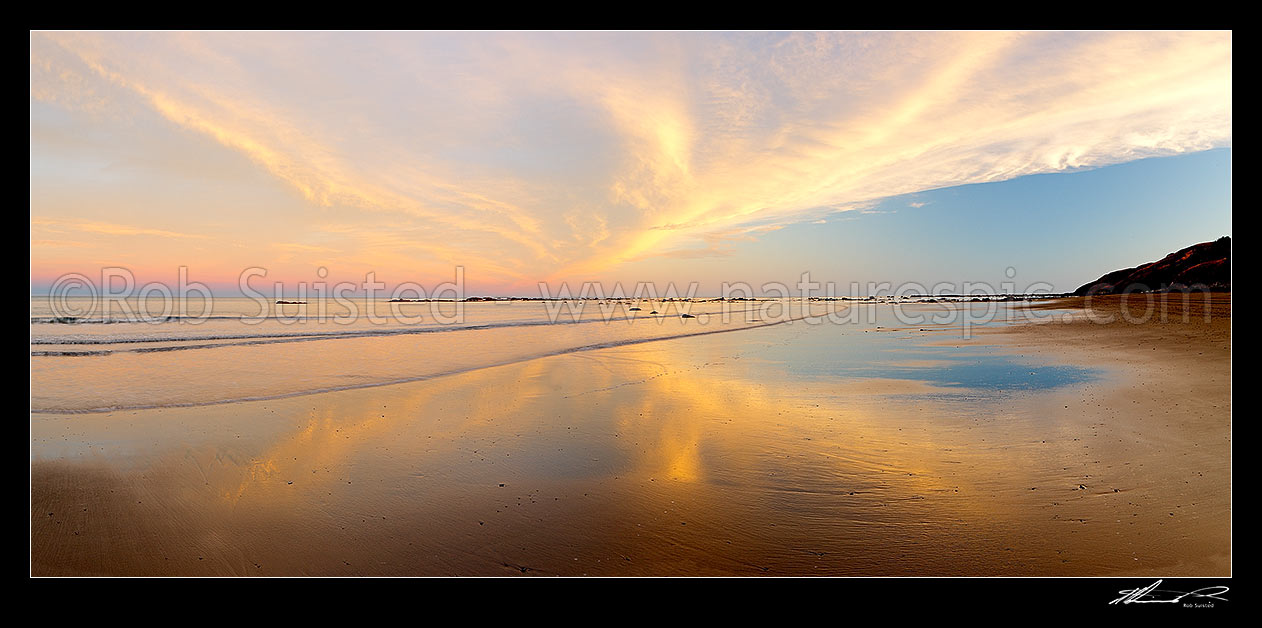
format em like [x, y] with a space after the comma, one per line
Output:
[691, 457]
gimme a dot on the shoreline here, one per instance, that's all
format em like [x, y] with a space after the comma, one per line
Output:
[669, 460]
[1164, 422]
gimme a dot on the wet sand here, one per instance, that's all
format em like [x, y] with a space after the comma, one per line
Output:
[700, 456]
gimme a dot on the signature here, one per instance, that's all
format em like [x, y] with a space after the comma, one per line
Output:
[1152, 595]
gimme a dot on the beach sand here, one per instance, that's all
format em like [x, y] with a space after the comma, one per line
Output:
[699, 456]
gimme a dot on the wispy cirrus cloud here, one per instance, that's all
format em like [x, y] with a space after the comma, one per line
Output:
[103, 228]
[541, 155]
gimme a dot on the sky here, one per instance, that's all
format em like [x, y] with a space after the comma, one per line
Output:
[625, 157]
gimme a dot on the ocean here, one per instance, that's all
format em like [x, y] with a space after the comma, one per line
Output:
[87, 356]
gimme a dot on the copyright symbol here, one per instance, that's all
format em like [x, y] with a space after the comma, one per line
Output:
[61, 293]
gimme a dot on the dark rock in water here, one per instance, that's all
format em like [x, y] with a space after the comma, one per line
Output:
[653, 312]
[635, 309]
[686, 316]
[1205, 266]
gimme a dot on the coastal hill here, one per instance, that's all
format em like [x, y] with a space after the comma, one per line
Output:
[1204, 265]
